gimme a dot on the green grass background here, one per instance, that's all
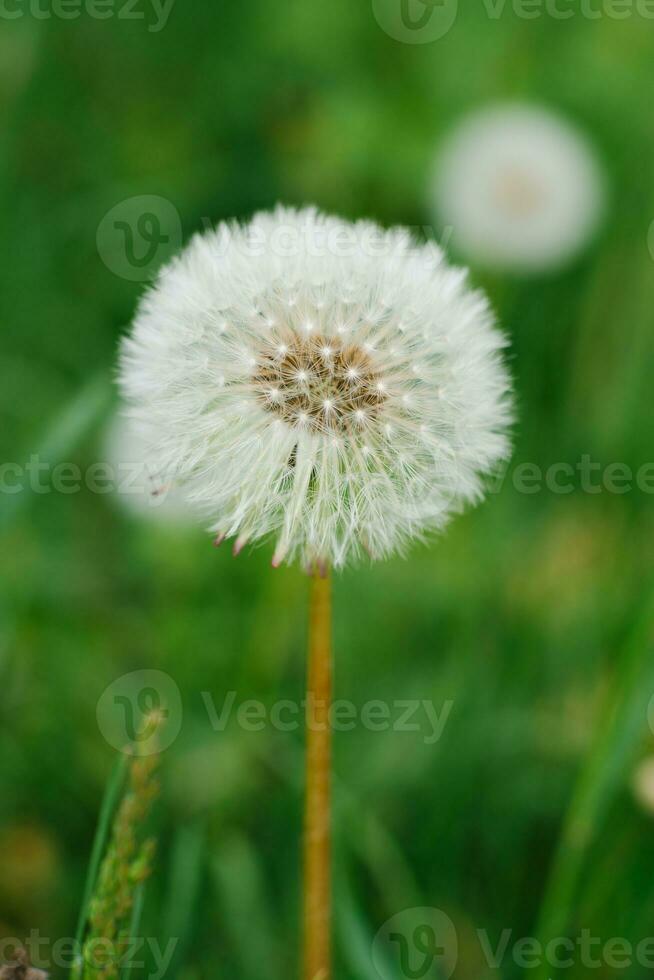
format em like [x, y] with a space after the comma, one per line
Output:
[533, 614]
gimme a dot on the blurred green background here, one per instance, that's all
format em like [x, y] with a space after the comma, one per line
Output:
[533, 615]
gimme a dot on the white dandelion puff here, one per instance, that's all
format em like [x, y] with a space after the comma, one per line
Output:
[519, 187]
[348, 438]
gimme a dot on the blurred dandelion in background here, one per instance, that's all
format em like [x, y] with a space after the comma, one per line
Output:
[519, 187]
[137, 490]
[642, 783]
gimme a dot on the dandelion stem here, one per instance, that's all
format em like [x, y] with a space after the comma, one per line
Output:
[317, 818]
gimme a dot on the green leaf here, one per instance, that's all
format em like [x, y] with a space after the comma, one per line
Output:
[246, 903]
[183, 886]
[601, 778]
[134, 923]
[62, 436]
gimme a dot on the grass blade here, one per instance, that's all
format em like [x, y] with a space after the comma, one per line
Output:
[602, 776]
[110, 800]
[77, 417]
[354, 933]
[134, 924]
[241, 886]
[184, 879]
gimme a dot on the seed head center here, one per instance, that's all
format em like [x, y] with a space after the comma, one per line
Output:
[320, 383]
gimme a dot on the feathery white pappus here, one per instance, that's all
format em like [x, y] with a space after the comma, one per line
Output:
[332, 384]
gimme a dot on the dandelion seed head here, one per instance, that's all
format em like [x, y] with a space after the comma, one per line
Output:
[519, 186]
[306, 422]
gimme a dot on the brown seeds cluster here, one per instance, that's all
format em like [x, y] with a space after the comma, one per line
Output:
[320, 383]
